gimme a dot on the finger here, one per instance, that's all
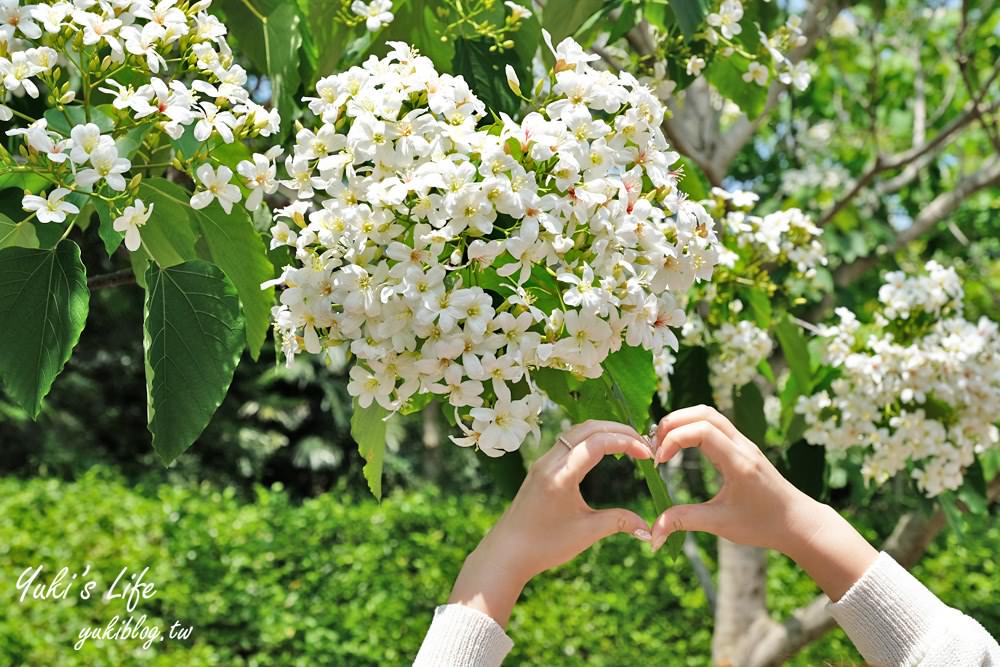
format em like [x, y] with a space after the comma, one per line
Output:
[693, 414]
[704, 516]
[608, 522]
[584, 430]
[588, 453]
[717, 446]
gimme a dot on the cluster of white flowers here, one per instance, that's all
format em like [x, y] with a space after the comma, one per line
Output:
[181, 74]
[787, 236]
[937, 293]
[724, 26]
[740, 349]
[456, 258]
[919, 395]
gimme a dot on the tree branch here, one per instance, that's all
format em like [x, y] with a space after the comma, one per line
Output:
[114, 279]
[938, 209]
[881, 163]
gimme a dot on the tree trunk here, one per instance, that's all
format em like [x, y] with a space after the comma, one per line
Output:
[742, 600]
[432, 436]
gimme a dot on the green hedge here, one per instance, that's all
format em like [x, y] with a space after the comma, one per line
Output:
[342, 581]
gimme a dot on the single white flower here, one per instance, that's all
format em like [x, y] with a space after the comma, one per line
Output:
[129, 222]
[695, 65]
[85, 140]
[51, 208]
[105, 165]
[517, 12]
[17, 72]
[376, 13]
[17, 18]
[217, 186]
[727, 20]
[757, 73]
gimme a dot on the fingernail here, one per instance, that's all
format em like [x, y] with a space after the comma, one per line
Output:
[642, 534]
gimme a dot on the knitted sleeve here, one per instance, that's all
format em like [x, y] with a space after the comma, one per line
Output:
[895, 621]
[460, 636]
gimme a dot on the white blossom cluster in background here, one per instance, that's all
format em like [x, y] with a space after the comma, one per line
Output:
[718, 320]
[457, 258]
[181, 75]
[724, 26]
[920, 389]
[787, 236]
[740, 348]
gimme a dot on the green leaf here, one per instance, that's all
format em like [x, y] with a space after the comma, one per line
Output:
[484, 72]
[726, 74]
[112, 239]
[368, 430]
[973, 492]
[238, 250]
[20, 234]
[693, 183]
[748, 413]
[269, 33]
[22, 180]
[44, 303]
[168, 236]
[796, 350]
[62, 121]
[564, 18]
[690, 15]
[130, 142]
[328, 36]
[193, 338]
[418, 24]
[953, 515]
[506, 471]
[631, 370]
[760, 306]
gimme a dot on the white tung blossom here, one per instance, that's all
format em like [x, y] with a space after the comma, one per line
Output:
[918, 396]
[459, 260]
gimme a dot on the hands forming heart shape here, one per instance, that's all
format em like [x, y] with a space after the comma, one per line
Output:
[548, 523]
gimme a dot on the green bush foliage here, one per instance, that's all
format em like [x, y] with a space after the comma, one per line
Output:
[341, 580]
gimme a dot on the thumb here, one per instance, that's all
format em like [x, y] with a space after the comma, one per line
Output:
[609, 522]
[683, 517]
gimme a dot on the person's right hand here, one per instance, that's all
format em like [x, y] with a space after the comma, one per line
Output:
[756, 506]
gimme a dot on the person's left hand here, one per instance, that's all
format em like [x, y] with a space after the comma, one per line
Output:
[548, 523]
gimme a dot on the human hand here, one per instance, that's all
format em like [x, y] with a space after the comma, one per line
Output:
[548, 523]
[756, 506]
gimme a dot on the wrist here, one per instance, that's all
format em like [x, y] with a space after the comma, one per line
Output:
[489, 583]
[831, 551]
[807, 520]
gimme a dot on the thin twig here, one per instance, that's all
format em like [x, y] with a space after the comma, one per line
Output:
[114, 279]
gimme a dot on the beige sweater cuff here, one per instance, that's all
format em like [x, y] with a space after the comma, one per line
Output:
[460, 636]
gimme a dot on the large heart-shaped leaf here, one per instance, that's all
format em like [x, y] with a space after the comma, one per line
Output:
[44, 303]
[21, 234]
[237, 249]
[193, 339]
